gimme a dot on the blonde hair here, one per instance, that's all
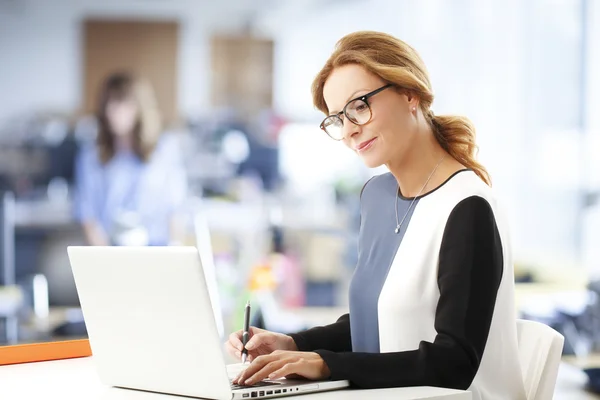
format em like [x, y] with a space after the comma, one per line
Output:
[399, 64]
[146, 133]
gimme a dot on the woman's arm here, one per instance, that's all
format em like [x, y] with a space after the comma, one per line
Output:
[94, 234]
[177, 230]
[470, 271]
[85, 194]
[177, 190]
[334, 337]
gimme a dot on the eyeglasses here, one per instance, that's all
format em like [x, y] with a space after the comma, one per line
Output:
[357, 110]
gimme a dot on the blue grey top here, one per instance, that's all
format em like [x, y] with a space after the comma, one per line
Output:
[379, 244]
[151, 191]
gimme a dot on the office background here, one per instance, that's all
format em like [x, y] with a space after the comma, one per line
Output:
[275, 197]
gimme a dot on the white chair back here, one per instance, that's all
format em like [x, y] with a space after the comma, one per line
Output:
[540, 351]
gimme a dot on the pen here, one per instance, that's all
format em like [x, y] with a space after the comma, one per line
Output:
[246, 332]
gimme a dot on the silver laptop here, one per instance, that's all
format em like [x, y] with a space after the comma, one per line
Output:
[152, 327]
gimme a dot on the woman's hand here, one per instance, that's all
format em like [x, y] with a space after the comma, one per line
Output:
[261, 342]
[280, 364]
[94, 234]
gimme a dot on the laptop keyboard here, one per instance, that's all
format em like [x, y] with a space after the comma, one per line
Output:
[257, 384]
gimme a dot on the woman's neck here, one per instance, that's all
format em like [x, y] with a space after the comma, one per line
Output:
[417, 165]
[124, 142]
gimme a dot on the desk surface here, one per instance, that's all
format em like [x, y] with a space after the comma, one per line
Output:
[589, 361]
[76, 379]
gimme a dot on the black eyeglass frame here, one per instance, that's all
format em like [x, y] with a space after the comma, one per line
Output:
[364, 98]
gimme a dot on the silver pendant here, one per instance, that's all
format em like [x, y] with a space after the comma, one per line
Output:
[397, 229]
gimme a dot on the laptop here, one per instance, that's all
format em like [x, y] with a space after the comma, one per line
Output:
[152, 326]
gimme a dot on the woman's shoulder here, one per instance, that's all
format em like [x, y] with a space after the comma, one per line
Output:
[87, 154]
[466, 183]
[168, 148]
[466, 190]
[378, 184]
[458, 186]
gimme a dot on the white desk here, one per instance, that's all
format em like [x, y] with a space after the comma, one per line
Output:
[76, 379]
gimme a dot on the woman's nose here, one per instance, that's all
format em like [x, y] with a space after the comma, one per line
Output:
[350, 129]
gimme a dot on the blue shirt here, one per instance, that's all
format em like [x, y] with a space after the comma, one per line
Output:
[152, 191]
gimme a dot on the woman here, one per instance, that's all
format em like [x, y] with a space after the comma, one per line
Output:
[131, 184]
[431, 300]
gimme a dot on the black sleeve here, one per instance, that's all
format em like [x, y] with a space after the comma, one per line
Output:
[470, 271]
[334, 337]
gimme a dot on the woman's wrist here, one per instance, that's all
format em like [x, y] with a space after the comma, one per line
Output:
[291, 343]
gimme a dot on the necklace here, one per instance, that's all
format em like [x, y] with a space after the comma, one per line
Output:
[399, 224]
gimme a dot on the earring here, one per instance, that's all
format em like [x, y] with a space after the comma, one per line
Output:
[414, 109]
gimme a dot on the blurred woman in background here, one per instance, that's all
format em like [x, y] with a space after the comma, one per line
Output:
[131, 184]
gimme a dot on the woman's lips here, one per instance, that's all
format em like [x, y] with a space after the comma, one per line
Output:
[365, 145]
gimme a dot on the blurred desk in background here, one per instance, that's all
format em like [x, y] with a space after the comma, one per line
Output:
[43, 229]
[36, 232]
[44, 214]
[548, 296]
[591, 360]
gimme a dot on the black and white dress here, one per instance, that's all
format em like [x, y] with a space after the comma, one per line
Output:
[432, 305]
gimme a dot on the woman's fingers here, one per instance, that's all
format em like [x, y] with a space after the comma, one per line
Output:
[280, 364]
[233, 351]
[255, 366]
[235, 340]
[294, 368]
[264, 371]
[257, 340]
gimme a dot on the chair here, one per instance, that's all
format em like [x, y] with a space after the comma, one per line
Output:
[540, 351]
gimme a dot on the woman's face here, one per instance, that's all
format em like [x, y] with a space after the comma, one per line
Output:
[122, 115]
[393, 126]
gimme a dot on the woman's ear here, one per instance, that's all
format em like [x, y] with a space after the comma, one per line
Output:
[409, 97]
[413, 101]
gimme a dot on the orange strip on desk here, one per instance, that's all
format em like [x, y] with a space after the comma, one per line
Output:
[47, 351]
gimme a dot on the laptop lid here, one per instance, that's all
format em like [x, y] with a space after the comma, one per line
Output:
[146, 310]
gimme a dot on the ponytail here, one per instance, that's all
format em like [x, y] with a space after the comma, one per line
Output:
[456, 135]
